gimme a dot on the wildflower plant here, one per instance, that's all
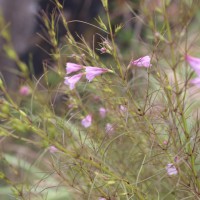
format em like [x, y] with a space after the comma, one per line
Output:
[104, 125]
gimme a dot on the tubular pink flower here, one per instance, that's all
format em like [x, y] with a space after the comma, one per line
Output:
[71, 81]
[102, 112]
[142, 62]
[87, 121]
[92, 72]
[171, 169]
[194, 63]
[72, 67]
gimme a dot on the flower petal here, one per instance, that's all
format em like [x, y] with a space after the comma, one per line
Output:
[71, 81]
[194, 63]
[53, 149]
[102, 112]
[171, 169]
[142, 62]
[109, 129]
[87, 121]
[196, 81]
[72, 67]
[25, 90]
[92, 72]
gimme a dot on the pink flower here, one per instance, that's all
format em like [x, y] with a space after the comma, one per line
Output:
[103, 50]
[171, 169]
[165, 142]
[71, 81]
[194, 63]
[102, 112]
[101, 198]
[72, 67]
[92, 72]
[70, 106]
[24, 90]
[87, 121]
[122, 109]
[142, 62]
[196, 81]
[109, 129]
[53, 149]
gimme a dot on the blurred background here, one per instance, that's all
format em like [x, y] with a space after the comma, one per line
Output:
[23, 21]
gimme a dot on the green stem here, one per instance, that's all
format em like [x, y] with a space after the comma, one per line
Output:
[113, 44]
